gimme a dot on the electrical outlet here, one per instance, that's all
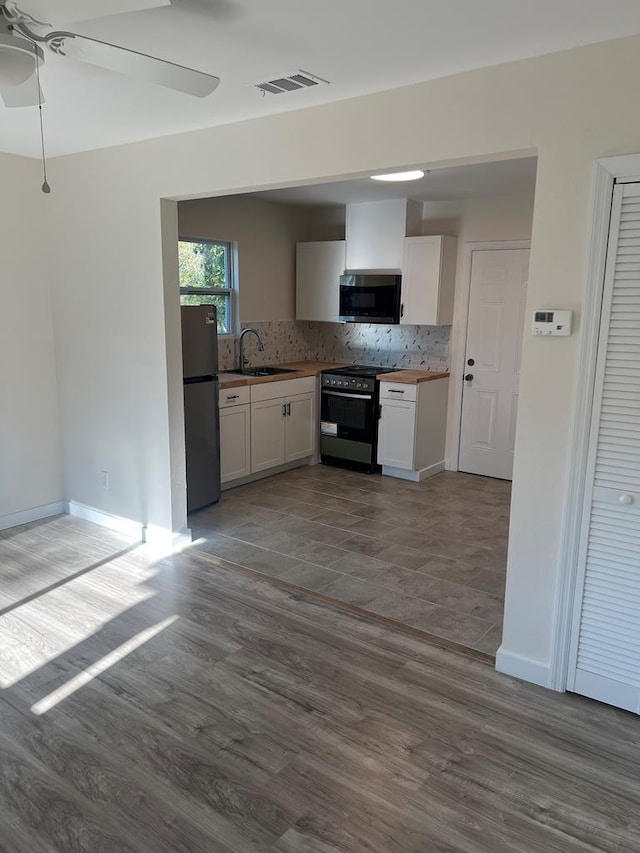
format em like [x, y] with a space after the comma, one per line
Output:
[104, 479]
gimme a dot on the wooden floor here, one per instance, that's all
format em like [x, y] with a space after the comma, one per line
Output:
[431, 555]
[181, 706]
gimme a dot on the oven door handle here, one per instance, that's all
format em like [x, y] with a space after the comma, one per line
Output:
[345, 394]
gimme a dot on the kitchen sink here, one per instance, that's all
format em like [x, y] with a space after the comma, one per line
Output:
[263, 370]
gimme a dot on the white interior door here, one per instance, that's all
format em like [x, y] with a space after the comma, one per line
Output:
[605, 649]
[492, 362]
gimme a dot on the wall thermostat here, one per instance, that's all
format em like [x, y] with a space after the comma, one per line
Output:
[552, 322]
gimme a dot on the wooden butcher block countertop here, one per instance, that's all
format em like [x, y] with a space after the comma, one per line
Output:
[412, 377]
[299, 369]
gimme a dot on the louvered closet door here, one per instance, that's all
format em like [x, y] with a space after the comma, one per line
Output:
[606, 646]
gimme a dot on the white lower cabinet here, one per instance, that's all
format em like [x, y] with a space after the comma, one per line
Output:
[397, 434]
[268, 439]
[282, 430]
[235, 434]
[300, 427]
[235, 442]
[412, 429]
[267, 425]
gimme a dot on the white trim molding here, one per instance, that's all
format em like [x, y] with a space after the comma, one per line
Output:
[125, 526]
[160, 540]
[607, 171]
[518, 666]
[413, 476]
[458, 345]
[33, 514]
[163, 541]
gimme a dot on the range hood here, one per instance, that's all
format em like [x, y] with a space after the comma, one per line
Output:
[375, 232]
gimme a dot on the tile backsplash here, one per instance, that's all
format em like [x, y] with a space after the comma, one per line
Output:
[418, 347]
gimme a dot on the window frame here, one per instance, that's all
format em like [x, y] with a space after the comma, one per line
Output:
[231, 252]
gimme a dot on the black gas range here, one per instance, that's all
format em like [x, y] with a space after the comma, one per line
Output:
[349, 416]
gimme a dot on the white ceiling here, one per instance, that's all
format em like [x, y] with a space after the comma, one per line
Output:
[361, 46]
[480, 180]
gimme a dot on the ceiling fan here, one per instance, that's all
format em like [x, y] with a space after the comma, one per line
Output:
[24, 41]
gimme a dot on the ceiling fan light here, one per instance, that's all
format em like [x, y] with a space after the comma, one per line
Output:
[414, 175]
[17, 61]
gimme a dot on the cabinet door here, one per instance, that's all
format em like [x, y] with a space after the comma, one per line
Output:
[396, 435]
[428, 280]
[235, 442]
[318, 270]
[267, 434]
[300, 426]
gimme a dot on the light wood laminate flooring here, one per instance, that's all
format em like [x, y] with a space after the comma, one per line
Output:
[431, 555]
[181, 706]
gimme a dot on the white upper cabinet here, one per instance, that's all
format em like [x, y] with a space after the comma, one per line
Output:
[428, 280]
[318, 270]
[379, 236]
[376, 230]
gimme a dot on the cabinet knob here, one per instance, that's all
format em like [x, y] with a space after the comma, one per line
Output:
[626, 500]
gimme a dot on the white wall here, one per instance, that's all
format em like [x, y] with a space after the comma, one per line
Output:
[570, 107]
[30, 479]
[475, 220]
[266, 234]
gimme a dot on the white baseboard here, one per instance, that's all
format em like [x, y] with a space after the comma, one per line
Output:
[164, 541]
[413, 476]
[519, 666]
[161, 540]
[13, 519]
[126, 526]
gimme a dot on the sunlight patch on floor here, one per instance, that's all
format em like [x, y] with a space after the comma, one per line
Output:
[100, 666]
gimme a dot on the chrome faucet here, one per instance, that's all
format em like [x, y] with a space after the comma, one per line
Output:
[260, 346]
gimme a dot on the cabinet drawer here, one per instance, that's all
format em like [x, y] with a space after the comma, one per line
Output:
[234, 396]
[398, 391]
[282, 388]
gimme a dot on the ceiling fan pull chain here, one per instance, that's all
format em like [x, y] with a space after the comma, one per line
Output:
[45, 183]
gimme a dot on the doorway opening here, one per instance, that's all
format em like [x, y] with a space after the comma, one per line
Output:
[430, 555]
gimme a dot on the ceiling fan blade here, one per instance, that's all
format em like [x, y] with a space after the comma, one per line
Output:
[135, 64]
[24, 95]
[83, 10]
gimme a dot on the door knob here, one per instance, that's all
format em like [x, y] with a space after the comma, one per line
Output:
[471, 362]
[468, 377]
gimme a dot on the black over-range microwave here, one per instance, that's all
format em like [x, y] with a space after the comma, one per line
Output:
[370, 297]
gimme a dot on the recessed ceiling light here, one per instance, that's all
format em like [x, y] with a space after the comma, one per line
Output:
[400, 176]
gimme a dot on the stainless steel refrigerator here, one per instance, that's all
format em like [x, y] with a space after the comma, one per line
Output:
[201, 418]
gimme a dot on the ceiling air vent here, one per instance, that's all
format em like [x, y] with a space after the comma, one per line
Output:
[299, 80]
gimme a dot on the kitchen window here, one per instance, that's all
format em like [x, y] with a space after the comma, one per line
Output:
[207, 275]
